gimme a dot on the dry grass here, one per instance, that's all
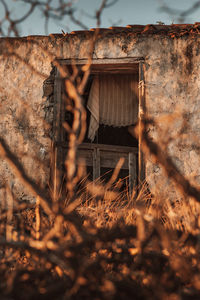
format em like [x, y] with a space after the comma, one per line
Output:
[97, 242]
[106, 207]
[107, 245]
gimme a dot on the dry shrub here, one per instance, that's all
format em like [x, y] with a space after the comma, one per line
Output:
[100, 249]
[98, 243]
[107, 207]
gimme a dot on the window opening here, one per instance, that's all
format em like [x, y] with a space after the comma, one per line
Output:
[110, 142]
[112, 126]
[116, 107]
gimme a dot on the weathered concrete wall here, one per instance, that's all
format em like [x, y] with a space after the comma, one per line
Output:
[23, 123]
[172, 87]
[172, 83]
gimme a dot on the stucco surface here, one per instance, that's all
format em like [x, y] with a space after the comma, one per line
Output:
[172, 86]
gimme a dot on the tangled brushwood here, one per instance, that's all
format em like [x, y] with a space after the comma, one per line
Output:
[88, 240]
[73, 255]
[95, 246]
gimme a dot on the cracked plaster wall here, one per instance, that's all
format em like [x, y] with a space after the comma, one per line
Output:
[172, 83]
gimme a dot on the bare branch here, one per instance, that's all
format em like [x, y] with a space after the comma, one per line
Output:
[166, 162]
[180, 14]
[18, 169]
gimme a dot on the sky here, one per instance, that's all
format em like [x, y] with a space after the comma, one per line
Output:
[124, 12]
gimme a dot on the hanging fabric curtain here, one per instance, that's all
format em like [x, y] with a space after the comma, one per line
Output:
[93, 106]
[113, 101]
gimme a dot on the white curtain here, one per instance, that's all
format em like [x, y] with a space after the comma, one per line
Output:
[113, 101]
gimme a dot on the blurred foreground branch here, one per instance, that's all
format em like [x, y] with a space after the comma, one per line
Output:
[180, 14]
[51, 11]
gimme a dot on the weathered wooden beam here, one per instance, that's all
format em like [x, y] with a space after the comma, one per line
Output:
[141, 162]
[96, 164]
[107, 159]
[111, 148]
[56, 167]
[98, 61]
[132, 171]
[110, 159]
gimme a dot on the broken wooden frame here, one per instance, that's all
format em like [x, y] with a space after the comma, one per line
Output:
[97, 155]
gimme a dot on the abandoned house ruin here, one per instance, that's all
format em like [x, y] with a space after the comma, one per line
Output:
[135, 69]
